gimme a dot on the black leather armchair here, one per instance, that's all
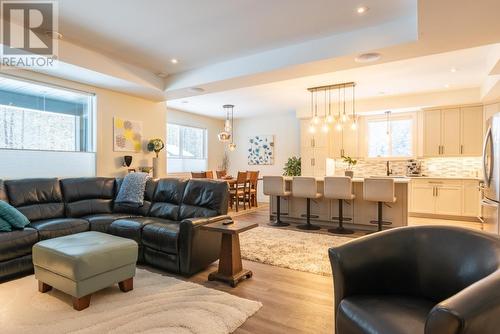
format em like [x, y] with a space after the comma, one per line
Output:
[428, 279]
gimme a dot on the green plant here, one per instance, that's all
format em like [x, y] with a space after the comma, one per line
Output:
[155, 145]
[292, 167]
[349, 161]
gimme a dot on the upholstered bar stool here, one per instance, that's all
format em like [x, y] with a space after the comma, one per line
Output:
[276, 186]
[306, 187]
[380, 190]
[339, 188]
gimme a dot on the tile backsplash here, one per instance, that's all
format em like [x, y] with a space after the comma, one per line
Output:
[435, 167]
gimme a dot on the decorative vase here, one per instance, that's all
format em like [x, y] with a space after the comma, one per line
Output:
[156, 168]
[349, 173]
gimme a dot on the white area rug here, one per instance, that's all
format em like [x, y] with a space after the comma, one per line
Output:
[303, 251]
[158, 304]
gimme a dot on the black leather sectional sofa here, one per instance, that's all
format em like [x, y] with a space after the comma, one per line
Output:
[166, 227]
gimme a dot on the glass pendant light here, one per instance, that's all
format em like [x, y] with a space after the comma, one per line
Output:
[226, 134]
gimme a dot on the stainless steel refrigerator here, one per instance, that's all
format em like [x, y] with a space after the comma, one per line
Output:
[491, 169]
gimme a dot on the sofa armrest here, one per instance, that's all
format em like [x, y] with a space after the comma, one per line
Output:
[476, 309]
[382, 263]
[198, 248]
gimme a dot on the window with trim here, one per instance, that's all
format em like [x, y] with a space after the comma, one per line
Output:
[186, 148]
[390, 139]
[35, 116]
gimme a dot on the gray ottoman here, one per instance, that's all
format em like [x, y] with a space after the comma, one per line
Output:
[83, 263]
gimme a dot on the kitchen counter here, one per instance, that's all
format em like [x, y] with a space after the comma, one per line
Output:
[360, 211]
[445, 178]
[397, 179]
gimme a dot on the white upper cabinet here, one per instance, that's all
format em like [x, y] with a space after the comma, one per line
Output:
[453, 132]
[314, 150]
[344, 143]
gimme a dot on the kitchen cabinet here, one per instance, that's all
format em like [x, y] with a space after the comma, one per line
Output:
[445, 197]
[344, 143]
[314, 150]
[451, 132]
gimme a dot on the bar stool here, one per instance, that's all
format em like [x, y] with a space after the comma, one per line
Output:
[306, 187]
[276, 186]
[339, 188]
[380, 190]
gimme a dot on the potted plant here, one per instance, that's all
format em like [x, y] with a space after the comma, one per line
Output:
[292, 167]
[350, 163]
[155, 145]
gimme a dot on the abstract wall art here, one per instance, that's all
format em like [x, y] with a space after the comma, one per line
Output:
[127, 135]
[261, 150]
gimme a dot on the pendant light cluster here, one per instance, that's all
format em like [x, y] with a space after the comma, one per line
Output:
[227, 135]
[338, 104]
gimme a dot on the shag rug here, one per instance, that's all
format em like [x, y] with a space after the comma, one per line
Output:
[158, 304]
[303, 251]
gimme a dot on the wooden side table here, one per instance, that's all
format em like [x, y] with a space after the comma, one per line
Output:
[230, 266]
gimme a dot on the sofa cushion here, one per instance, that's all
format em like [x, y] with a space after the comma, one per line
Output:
[11, 215]
[36, 198]
[204, 198]
[167, 198]
[5, 226]
[162, 236]
[53, 228]
[17, 243]
[101, 222]
[3, 192]
[382, 314]
[140, 211]
[131, 228]
[88, 196]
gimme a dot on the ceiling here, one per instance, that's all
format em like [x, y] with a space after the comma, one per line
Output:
[200, 32]
[411, 76]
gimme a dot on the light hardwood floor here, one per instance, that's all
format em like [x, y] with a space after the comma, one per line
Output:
[293, 301]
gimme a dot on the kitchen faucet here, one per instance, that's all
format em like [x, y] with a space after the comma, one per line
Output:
[388, 169]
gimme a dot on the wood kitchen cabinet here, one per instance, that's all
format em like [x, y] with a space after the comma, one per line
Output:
[445, 197]
[344, 143]
[314, 150]
[451, 132]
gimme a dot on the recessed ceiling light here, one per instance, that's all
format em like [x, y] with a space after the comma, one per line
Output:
[381, 93]
[53, 34]
[184, 101]
[367, 57]
[362, 9]
[161, 75]
[447, 86]
[453, 69]
[196, 90]
[174, 61]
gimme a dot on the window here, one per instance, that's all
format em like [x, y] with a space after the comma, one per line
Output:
[39, 117]
[186, 148]
[393, 142]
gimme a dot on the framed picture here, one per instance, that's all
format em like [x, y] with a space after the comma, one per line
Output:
[127, 135]
[261, 150]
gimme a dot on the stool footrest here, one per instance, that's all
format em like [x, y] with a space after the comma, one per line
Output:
[281, 213]
[344, 219]
[375, 222]
[311, 216]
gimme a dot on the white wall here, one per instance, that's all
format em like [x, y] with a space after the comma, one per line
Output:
[215, 149]
[286, 131]
[108, 104]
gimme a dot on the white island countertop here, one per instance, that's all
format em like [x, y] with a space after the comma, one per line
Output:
[360, 179]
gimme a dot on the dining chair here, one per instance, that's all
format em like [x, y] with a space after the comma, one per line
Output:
[253, 177]
[198, 175]
[209, 174]
[239, 190]
[221, 173]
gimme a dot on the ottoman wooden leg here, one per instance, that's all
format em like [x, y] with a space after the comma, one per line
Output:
[81, 303]
[42, 287]
[127, 285]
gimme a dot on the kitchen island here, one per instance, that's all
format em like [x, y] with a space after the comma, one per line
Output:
[360, 211]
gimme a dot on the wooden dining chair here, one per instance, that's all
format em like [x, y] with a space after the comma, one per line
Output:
[209, 174]
[253, 177]
[239, 190]
[221, 173]
[198, 175]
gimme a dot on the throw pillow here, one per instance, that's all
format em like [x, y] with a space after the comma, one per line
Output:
[4, 226]
[12, 216]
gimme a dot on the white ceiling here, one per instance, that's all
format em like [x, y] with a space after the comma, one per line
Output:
[200, 32]
[411, 76]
